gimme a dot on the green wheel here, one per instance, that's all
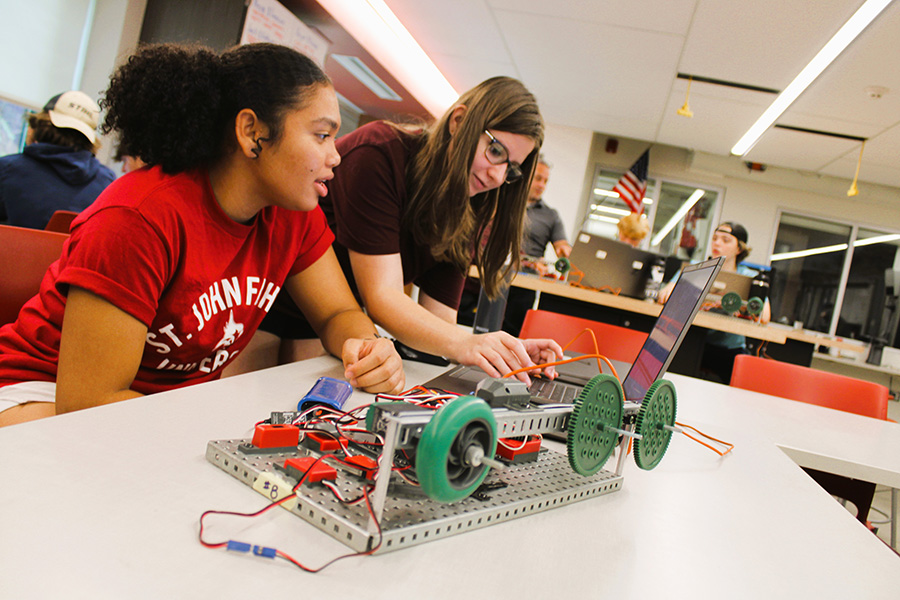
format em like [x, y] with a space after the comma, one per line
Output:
[562, 265]
[589, 440]
[754, 306]
[457, 436]
[731, 302]
[657, 410]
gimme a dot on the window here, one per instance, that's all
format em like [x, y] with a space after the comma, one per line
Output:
[681, 216]
[833, 277]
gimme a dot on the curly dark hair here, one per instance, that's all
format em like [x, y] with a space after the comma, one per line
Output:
[174, 105]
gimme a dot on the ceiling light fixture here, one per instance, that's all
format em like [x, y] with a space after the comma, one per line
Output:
[605, 219]
[366, 76]
[609, 194]
[846, 34]
[610, 209]
[682, 210]
[685, 111]
[379, 31]
[878, 239]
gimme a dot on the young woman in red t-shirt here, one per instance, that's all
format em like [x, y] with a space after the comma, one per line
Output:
[166, 277]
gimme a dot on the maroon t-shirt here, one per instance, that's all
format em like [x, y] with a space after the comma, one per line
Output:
[365, 205]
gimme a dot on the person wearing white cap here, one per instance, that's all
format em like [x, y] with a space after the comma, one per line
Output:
[58, 169]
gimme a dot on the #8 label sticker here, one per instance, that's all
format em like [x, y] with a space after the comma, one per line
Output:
[275, 488]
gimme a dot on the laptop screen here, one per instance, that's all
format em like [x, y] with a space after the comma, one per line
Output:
[658, 351]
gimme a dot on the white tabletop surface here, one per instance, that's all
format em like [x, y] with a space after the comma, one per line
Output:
[105, 503]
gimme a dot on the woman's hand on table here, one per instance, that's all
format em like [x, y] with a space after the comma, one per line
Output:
[373, 365]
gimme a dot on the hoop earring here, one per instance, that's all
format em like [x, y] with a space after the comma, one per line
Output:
[258, 147]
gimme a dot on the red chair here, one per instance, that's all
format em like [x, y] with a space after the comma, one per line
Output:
[796, 382]
[812, 386]
[26, 255]
[60, 221]
[614, 342]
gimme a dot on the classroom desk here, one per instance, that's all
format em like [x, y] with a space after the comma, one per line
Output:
[794, 345]
[104, 503]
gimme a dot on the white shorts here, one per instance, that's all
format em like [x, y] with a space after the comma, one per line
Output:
[28, 391]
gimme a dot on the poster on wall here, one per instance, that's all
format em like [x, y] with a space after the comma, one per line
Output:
[270, 21]
[13, 126]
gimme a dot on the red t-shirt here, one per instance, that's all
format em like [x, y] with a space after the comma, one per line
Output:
[160, 248]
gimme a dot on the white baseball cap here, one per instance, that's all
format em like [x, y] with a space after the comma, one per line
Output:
[74, 110]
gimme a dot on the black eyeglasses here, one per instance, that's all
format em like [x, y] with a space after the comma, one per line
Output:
[497, 154]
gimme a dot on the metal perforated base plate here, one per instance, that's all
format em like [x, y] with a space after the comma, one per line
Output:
[410, 517]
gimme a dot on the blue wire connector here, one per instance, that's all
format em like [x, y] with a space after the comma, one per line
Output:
[257, 550]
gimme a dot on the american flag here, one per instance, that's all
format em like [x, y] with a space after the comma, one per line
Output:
[633, 184]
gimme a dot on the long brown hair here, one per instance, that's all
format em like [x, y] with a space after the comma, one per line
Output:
[440, 213]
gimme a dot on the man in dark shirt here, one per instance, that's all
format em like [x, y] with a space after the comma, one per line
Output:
[542, 223]
[542, 226]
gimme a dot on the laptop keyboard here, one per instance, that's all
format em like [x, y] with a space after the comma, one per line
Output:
[555, 392]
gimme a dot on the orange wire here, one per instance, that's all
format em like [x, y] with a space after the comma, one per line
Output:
[596, 355]
[563, 362]
[709, 437]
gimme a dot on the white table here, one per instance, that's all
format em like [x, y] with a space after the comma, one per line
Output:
[105, 504]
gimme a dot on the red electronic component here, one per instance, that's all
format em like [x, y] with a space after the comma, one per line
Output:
[519, 452]
[298, 466]
[322, 442]
[276, 436]
[367, 466]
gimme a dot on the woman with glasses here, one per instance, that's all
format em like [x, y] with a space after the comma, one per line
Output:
[412, 205]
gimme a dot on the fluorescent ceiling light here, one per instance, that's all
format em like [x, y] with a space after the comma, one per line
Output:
[809, 252]
[846, 34]
[611, 209]
[376, 28]
[878, 239]
[609, 194]
[682, 210]
[602, 218]
[366, 76]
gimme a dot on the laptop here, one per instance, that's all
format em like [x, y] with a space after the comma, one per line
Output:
[728, 281]
[652, 361]
[608, 263]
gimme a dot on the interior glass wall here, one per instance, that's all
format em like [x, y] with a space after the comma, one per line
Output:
[681, 216]
[836, 278]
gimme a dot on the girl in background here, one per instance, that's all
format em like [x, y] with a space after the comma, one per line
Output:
[729, 240]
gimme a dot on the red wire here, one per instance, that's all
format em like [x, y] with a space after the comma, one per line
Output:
[284, 555]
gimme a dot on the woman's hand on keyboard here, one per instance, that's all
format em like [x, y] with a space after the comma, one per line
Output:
[499, 353]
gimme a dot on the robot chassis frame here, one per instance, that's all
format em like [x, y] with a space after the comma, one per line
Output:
[474, 495]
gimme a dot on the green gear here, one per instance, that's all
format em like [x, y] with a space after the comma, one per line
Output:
[562, 265]
[731, 302]
[589, 440]
[754, 306]
[658, 409]
[442, 467]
